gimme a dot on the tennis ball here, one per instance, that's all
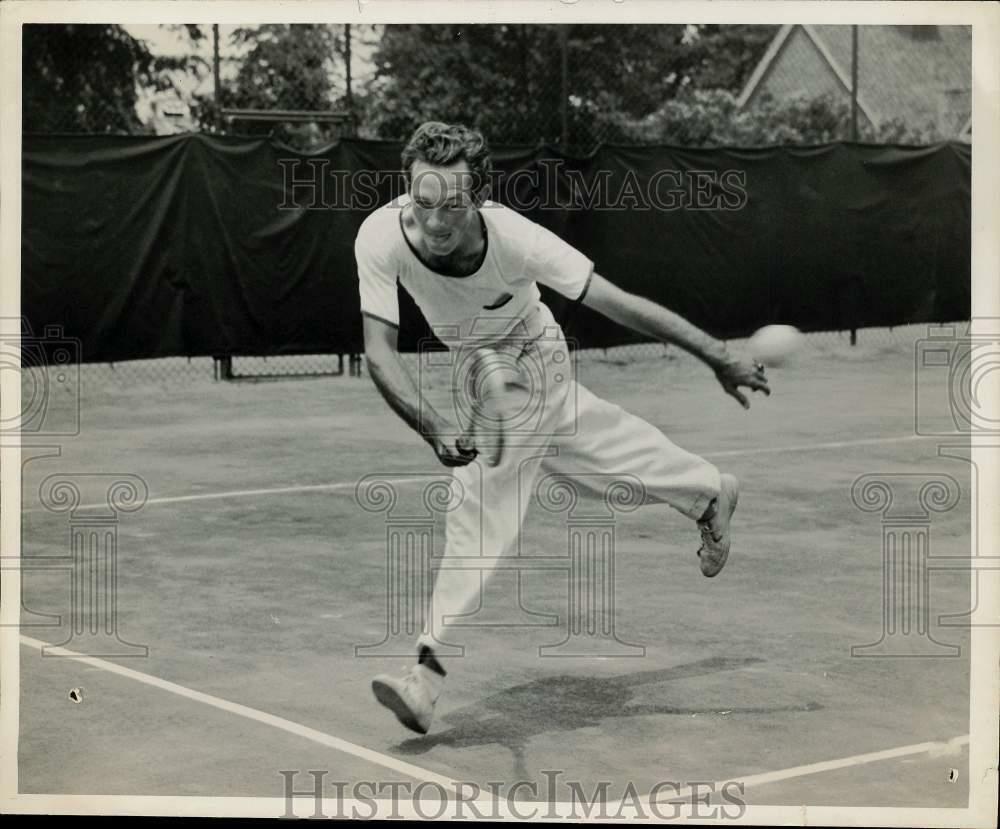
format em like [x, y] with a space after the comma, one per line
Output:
[773, 345]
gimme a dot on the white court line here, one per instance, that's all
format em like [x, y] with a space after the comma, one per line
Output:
[243, 493]
[252, 714]
[840, 444]
[952, 746]
[282, 490]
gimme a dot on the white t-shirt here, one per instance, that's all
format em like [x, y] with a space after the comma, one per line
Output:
[483, 306]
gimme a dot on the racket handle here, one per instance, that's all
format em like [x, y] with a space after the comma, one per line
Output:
[466, 443]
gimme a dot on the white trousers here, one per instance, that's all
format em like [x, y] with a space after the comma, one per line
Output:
[554, 425]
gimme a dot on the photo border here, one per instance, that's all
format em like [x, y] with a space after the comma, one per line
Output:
[985, 21]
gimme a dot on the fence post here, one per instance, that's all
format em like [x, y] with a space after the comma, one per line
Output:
[217, 88]
[223, 367]
[854, 85]
[564, 84]
[349, 92]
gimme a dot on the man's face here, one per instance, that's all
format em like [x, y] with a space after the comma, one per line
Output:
[443, 205]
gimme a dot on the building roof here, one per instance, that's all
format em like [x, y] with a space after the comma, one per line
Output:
[917, 74]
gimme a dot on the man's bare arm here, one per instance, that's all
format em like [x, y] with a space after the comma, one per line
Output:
[396, 385]
[653, 320]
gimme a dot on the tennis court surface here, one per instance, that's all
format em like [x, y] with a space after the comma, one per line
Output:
[251, 574]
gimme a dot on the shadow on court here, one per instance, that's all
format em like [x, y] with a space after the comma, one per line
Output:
[513, 716]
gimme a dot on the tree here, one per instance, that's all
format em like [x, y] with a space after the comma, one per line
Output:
[288, 67]
[296, 67]
[507, 78]
[85, 78]
[724, 56]
[447, 72]
[707, 118]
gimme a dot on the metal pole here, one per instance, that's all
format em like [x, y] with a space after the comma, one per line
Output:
[347, 65]
[349, 98]
[854, 83]
[217, 89]
[564, 87]
[854, 137]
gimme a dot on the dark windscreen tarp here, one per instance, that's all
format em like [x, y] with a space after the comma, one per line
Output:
[198, 245]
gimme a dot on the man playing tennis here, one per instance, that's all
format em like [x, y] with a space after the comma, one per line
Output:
[472, 265]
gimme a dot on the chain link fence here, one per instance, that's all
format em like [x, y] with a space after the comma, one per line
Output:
[163, 374]
[571, 87]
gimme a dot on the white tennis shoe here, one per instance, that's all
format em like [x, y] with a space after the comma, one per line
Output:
[411, 697]
[715, 536]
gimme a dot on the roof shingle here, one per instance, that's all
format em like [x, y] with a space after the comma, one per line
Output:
[921, 75]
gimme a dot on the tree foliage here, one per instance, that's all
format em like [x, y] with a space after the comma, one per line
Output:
[706, 118]
[724, 56]
[288, 67]
[628, 83]
[507, 79]
[298, 67]
[85, 78]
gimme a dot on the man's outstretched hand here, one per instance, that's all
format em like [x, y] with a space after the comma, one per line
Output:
[735, 373]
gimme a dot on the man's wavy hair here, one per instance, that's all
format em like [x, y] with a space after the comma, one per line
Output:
[442, 144]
